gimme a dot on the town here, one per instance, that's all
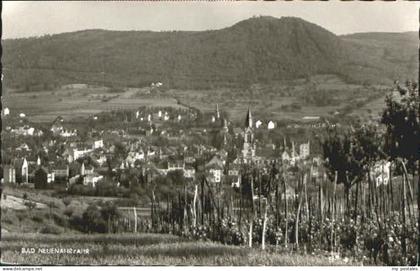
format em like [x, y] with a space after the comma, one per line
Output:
[210, 134]
[152, 142]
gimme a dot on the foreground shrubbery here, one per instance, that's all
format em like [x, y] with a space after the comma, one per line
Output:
[146, 249]
[368, 241]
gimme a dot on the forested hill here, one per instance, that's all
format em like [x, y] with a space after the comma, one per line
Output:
[259, 49]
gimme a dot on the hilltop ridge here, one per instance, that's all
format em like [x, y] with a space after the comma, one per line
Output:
[255, 50]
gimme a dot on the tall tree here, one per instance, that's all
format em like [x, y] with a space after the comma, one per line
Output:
[402, 140]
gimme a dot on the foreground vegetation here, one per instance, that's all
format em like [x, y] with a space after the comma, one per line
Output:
[147, 249]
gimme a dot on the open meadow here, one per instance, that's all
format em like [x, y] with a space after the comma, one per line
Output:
[45, 106]
[318, 96]
[145, 249]
[321, 96]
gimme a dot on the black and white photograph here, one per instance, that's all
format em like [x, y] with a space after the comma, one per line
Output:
[210, 133]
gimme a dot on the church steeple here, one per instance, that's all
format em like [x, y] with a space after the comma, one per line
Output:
[217, 112]
[248, 151]
[225, 126]
[82, 169]
[248, 121]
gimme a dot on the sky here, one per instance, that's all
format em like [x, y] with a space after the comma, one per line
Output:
[28, 19]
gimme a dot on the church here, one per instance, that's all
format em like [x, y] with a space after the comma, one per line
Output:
[248, 150]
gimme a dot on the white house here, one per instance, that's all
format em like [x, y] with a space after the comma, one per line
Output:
[304, 150]
[215, 168]
[98, 144]
[166, 117]
[285, 156]
[216, 174]
[6, 111]
[92, 179]
[50, 177]
[24, 170]
[9, 173]
[189, 172]
[178, 165]
[238, 182]
[80, 153]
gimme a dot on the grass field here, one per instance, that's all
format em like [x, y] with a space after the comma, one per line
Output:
[266, 101]
[50, 209]
[270, 102]
[82, 102]
[145, 249]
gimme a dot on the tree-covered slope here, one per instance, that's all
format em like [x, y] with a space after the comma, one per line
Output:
[261, 49]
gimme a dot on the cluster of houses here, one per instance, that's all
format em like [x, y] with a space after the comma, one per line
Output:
[58, 130]
[87, 162]
[22, 127]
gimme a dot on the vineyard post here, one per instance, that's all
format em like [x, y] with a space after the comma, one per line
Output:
[250, 232]
[252, 193]
[152, 209]
[168, 214]
[321, 207]
[410, 190]
[418, 212]
[298, 214]
[418, 198]
[410, 194]
[202, 201]
[333, 212]
[403, 243]
[264, 225]
[158, 210]
[172, 216]
[277, 203]
[363, 200]
[347, 191]
[232, 205]
[129, 223]
[391, 189]
[259, 192]
[356, 200]
[135, 219]
[377, 202]
[370, 196]
[306, 192]
[184, 219]
[180, 218]
[240, 206]
[382, 196]
[286, 213]
[194, 206]
[252, 210]
[321, 201]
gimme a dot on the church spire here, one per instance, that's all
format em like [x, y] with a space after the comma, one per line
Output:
[82, 169]
[217, 112]
[248, 121]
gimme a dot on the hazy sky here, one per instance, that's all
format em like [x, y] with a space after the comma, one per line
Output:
[24, 19]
